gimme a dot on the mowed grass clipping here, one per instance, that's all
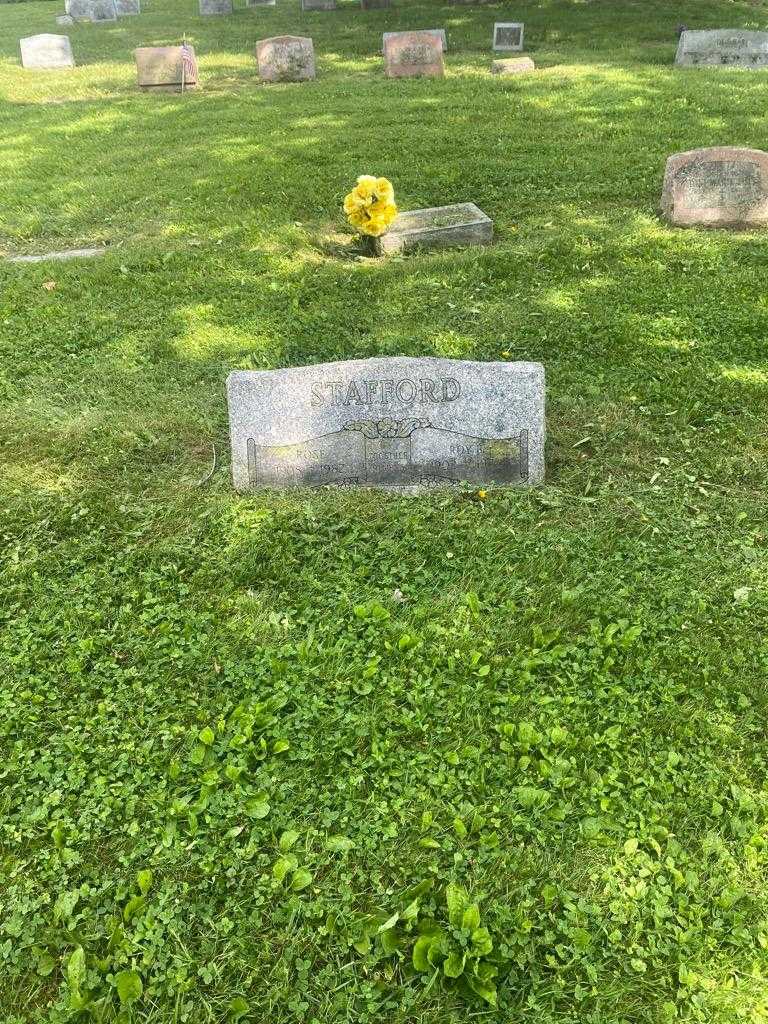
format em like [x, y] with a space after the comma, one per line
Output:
[257, 753]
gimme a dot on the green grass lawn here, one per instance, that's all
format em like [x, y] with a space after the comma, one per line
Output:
[565, 716]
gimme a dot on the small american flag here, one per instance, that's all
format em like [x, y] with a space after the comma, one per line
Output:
[188, 65]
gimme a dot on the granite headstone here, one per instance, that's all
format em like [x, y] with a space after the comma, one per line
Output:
[723, 186]
[508, 36]
[392, 422]
[126, 8]
[413, 54]
[436, 227]
[161, 69]
[285, 59]
[512, 66]
[215, 7]
[439, 32]
[730, 47]
[46, 51]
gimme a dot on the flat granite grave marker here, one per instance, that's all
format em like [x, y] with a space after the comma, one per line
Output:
[161, 69]
[285, 59]
[47, 52]
[413, 54]
[391, 422]
[508, 36]
[64, 19]
[512, 66]
[731, 47]
[439, 32]
[723, 186]
[318, 5]
[215, 7]
[436, 227]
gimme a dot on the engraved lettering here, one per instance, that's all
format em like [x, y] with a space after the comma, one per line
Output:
[317, 395]
[405, 390]
[353, 395]
[451, 389]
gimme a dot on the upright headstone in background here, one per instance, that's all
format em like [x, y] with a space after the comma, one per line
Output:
[436, 228]
[413, 54]
[162, 69]
[387, 422]
[733, 47]
[215, 6]
[126, 8]
[512, 66]
[438, 32]
[46, 51]
[318, 5]
[508, 36]
[285, 59]
[91, 10]
[723, 186]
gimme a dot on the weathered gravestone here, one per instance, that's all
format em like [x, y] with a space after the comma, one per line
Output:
[125, 8]
[318, 5]
[285, 59]
[512, 66]
[215, 7]
[91, 10]
[162, 68]
[732, 47]
[412, 54]
[392, 422]
[437, 227]
[438, 32]
[508, 36]
[46, 51]
[724, 186]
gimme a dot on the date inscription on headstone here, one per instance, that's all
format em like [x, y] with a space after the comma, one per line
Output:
[396, 422]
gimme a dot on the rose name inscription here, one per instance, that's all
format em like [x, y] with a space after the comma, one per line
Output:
[396, 422]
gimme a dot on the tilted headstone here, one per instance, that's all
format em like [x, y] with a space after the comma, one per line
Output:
[723, 186]
[512, 66]
[318, 5]
[46, 51]
[508, 36]
[439, 32]
[393, 422]
[413, 54]
[285, 59]
[215, 7]
[732, 47]
[437, 227]
[161, 69]
[126, 8]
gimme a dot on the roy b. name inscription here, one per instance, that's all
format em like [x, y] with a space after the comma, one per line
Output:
[387, 422]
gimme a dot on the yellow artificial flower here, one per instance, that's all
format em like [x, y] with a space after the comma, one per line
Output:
[370, 206]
